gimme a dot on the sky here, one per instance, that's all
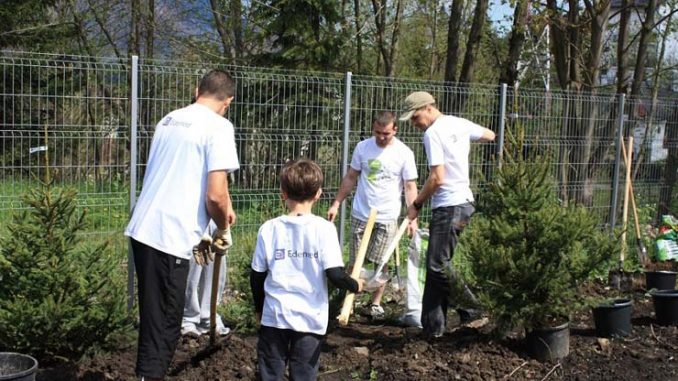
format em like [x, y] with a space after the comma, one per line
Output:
[500, 13]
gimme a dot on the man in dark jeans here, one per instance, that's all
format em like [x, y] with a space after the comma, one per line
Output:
[447, 144]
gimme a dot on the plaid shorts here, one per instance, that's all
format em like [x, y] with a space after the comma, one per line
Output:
[382, 235]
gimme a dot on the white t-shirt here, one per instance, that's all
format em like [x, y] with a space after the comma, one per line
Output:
[448, 142]
[296, 251]
[171, 214]
[383, 173]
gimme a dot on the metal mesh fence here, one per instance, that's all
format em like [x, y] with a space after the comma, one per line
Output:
[81, 109]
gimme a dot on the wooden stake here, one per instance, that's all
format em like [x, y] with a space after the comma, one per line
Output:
[357, 266]
[625, 212]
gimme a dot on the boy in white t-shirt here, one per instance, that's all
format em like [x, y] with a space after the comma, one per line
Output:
[294, 255]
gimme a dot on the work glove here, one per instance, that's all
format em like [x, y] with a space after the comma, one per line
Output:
[222, 241]
[202, 252]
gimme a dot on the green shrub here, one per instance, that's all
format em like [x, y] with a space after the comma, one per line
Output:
[526, 254]
[60, 295]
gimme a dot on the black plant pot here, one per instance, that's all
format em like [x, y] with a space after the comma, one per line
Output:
[666, 306]
[17, 367]
[660, 280]
[549, 344]
[613, 319]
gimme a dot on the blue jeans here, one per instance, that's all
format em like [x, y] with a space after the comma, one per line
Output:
[446, 225]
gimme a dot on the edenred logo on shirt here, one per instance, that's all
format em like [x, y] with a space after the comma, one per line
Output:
[279, 254]
[302, 254]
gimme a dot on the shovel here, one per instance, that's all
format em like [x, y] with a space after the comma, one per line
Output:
[397, 285]
[642, 250]
[379, 278]
[213, 299]
[347, 307]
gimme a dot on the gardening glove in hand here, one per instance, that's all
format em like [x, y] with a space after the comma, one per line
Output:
[222, 241]
[202, 252]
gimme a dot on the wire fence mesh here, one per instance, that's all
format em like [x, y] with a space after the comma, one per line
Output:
[80, 108]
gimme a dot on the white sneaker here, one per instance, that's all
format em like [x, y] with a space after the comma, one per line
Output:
[221, 329]
[376, 311]
[190, 329]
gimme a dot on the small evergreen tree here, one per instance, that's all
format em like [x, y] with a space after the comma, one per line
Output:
[59, 295]
[527, 254]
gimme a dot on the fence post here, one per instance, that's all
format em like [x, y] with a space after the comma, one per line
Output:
[617, 161]
[344, 151]
[134, 107]
[502, 123]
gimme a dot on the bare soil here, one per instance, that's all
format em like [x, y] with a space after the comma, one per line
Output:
[380, 350]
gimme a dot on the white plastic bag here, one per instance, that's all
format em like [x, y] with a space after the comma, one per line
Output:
[416, 275]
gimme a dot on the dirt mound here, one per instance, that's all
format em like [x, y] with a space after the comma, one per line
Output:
[375, 350]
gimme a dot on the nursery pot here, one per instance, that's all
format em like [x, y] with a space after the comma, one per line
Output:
[666, 306]
[613, 319]
[17, 367]
[549, 343]
[660, 280]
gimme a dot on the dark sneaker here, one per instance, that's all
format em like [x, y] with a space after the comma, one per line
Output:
[468, 315]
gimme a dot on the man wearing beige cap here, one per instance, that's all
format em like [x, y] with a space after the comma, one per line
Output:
[447, 143]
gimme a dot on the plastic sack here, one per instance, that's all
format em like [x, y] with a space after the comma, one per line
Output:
[666, 243]
[416, 276]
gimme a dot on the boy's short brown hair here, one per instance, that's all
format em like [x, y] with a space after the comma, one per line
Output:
[300, 179]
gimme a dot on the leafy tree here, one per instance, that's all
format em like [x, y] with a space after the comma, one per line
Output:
[32, 25]
[302, 33]
[59, 294]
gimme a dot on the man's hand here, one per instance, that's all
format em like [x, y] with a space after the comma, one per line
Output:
[332, 212]
[412, 227]
[412, 213]
[222, 241]
[202, 252]
[361, 284]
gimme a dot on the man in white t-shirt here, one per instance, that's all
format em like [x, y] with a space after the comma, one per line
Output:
[294, 256]
[185, 185]
[382, 166]
[447, 143]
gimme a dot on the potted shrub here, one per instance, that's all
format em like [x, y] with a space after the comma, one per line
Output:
[527, 254]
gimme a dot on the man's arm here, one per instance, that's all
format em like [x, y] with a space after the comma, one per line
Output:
[257, 280]
[218, 201]
[347, 184]
[487, 136]
[433, 182]
[411, 195]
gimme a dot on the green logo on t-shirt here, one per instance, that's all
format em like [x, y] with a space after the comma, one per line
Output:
[374, 167]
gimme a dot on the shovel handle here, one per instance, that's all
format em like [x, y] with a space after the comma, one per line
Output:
[213, 299]
[392, 246]
[357, 266]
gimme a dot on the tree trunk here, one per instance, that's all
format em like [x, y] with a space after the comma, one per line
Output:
[434, 43]
[358, 36]
[559, 43]
[509, 74]
[452, 55]
[622, 41]
[453, 33]
[395, 36]
[150, 29]
[135, 33]
[641, 58]
[474, 37]
[236, 29]
[220, 25]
